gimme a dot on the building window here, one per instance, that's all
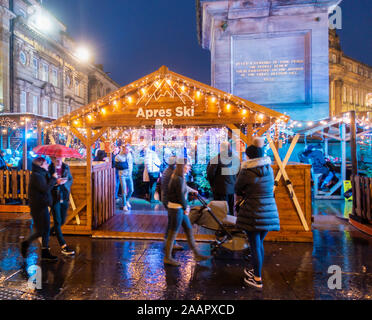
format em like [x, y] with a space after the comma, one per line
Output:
[35, 68]
[345, 94]
[55, 110]
[361, 100]
[23, 102]
[45, 110]
[54, 77]
[45, 72]
[356, 97]
[22, 57]
[351, 95]
[68, 109]
[35, 104]
[77, 87]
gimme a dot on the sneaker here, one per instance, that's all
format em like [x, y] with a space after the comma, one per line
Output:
[125, 209]
[249, 273]
[67, 251]
[253, 283]
[46, 255]
[176, 246]
[128, 205]
[24, 248]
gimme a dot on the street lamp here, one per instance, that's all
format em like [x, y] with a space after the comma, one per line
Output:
[83, 54]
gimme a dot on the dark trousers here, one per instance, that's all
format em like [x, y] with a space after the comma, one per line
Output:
[41, 226]
[256, 239]
[229, 198]
[59, 212]
[152, 185]
[176, 218]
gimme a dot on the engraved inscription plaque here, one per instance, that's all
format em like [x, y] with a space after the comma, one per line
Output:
[271, 69]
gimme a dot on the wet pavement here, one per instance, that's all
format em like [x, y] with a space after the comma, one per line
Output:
[131, 270]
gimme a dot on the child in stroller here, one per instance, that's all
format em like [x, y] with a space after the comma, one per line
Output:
[214, 216]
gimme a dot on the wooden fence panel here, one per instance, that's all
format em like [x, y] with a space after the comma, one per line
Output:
[362, 194]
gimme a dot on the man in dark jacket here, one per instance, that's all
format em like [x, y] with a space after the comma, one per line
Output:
[40, 199]
[221, 174]
[61, 198]
[3, 165]
[258, 213]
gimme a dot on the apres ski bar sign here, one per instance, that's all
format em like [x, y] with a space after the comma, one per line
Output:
[164, 116]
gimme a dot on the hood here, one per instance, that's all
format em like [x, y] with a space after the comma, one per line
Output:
[36, 168]
[254, 163]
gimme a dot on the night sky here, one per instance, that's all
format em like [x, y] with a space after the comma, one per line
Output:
[133, 38]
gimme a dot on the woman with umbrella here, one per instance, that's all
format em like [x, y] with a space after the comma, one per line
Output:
[61, 191]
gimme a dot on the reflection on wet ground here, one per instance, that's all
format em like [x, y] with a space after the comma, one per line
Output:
[115, 269]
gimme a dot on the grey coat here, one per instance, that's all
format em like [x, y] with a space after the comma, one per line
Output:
[255, 184]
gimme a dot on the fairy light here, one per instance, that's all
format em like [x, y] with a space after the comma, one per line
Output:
[183, 88]
[103, 111]
[228, 107]
[261, 116]
[310, 123]
[213, 99]
[244, 112]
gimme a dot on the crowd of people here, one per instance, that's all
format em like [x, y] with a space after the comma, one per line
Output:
[247, 187]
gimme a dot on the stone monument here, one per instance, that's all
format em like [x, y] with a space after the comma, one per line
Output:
[271, 52]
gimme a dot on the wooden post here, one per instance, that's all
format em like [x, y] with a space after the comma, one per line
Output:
[89, 178]
[39, 133]
[353, 146]
[25, 146]
[343, 154]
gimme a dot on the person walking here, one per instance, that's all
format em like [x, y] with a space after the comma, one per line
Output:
[221, 174]
[40, 198]
[152, 169]
[61, 200]
[257, 213]
[178, 213]
[115, 152]
[124, 165]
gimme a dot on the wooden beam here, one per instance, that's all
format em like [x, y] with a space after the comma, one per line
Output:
[83, 139]
[76, 212]
[263, 130]
[89, 179]
[98, 135]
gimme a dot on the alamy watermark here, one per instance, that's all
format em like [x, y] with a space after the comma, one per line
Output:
[335, 280]
[335, 18]
[34, 280]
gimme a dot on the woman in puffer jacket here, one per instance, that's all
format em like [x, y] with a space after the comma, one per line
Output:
[258, 214]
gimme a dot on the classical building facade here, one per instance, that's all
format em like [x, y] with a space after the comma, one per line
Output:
[350, 81]
[39, 71]
[282, 54]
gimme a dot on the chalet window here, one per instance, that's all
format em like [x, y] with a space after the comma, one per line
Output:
[23, 102]
[45, 72]
[35, 104]
[35, 68]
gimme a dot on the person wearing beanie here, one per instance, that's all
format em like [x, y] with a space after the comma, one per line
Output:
[221, 175]
[257, 213]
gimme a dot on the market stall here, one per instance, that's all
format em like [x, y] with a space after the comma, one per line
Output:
[164, 101]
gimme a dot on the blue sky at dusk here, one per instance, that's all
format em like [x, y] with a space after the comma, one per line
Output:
[132, 38]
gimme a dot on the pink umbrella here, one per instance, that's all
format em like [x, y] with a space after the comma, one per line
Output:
[57, 151]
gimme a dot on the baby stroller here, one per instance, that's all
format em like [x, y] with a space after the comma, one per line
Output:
[213, 217]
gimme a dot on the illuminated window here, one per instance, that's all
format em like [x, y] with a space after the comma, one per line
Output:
[68, 109]
[77, 87]
[35, 104]
[356, 97]
[345, 94]
[35, 68]
[23, 102]
[351, 95]
[45, 72]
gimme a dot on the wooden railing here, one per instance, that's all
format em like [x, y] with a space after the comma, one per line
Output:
[14, 186]
[103, 194]
[362, 198]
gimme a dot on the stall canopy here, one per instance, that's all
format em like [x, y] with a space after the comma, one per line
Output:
[169, 99]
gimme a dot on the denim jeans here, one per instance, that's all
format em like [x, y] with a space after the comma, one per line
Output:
[59, 212]
[117, 184]
[176, 218]
[256, 239]
[127, 188]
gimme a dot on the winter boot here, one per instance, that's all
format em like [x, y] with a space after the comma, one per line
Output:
[46, 255]
[192, 244]
[168, 249]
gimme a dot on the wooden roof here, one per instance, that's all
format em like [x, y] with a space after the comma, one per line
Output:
[171, 99]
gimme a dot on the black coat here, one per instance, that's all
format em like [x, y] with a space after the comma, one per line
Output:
[40, 187]
[62, 192]
[222, 183]
[255, 183]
